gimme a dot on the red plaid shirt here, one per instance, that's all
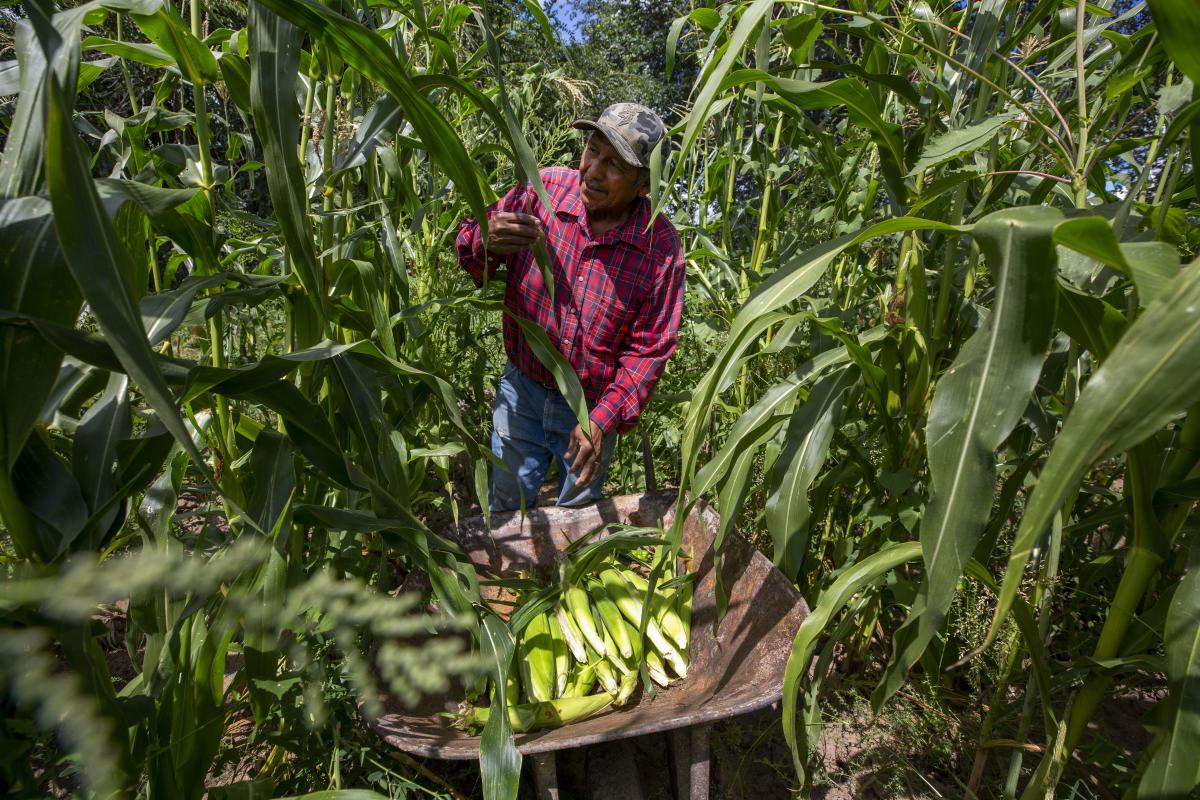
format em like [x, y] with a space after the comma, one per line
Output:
[617, 299]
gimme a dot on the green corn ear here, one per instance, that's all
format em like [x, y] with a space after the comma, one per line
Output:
[581, 610]
[531, 716]
[685, 614]
[670, 620]
[665, 613]
[621, 594]
[625, 691]
[657, 669]
[562, 655]
[537, 660]
[512, 687]
[583, 680]
[614, 654]
[571, 632]
[610, 615]
[606, 675]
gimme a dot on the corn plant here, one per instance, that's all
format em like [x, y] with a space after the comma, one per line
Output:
[969, 297]
[320, 441]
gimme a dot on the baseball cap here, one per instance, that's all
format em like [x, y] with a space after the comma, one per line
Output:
[631, 128]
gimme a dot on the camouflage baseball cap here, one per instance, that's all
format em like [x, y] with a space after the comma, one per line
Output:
[632, 129]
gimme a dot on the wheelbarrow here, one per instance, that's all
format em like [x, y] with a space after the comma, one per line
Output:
[734, 670]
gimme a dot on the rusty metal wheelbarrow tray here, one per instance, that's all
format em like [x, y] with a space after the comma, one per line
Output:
[737, 670]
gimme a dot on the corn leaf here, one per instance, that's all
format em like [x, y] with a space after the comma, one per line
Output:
[832, 600]
[1178, 23]
[168, 30]
[808, 435]
[1174, 771]
[974, 408]
[959, 142]
[101, 266]
[564, 374]
[1149, 378]
[37, 283]
[499, 761]
[274, 61]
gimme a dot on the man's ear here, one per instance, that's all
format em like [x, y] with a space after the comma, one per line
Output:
[644, 189]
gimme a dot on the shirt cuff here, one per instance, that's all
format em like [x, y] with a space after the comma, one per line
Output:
[605, 417]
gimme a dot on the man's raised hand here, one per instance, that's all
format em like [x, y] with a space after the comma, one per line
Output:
[511, 232]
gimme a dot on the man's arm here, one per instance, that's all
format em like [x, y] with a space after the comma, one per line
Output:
[651, 341]
[508, 232]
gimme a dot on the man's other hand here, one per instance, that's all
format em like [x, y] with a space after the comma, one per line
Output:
[584, 450]
[511, 232]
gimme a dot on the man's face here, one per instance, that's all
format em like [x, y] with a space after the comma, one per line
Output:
[607, 183]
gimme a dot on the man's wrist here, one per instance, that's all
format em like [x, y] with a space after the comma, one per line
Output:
[603, 418]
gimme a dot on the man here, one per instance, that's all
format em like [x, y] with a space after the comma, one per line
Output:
[618, 295]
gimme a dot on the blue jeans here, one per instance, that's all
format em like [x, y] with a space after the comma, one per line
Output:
[530, 426]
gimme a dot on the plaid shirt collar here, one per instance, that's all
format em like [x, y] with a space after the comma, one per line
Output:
[632, 231]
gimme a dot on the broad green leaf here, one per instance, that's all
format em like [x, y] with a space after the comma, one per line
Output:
[958, 142]
[1095, 238]
[499, 761]
[140, 52]
[94, 453]
[10, 78]
[1090, 321]
[274, 61]
[51, 494]
[1153, 265]
[101, 265]
[564, 374]
[22, 167]
[1174, 771]
[1178, 23]
[1147, 380]
[832, 600]
[975, 407]
[168, 30]
[274, 480]
[38, 283]
[806, 444]
[235, 71]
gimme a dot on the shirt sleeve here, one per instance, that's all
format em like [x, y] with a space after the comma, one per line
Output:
[472, 257]
[650, 343]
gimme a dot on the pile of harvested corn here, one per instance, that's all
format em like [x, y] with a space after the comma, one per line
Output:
[583, 652]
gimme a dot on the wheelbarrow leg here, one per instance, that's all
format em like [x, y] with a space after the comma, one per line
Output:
[690, 754]
[545, 776]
